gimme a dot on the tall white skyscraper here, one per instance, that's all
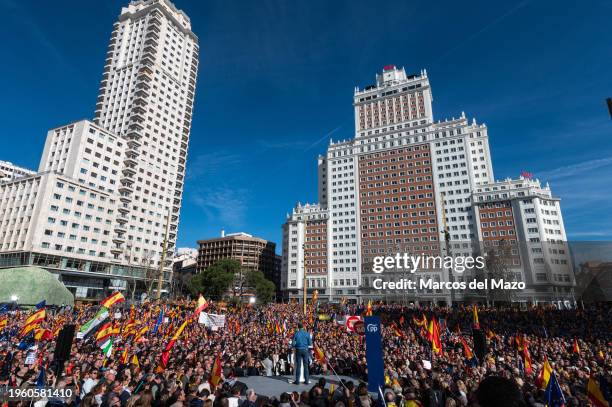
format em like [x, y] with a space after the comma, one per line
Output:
[127, 167]
[146, 97]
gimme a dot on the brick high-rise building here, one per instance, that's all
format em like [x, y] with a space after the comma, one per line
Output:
[394, 187]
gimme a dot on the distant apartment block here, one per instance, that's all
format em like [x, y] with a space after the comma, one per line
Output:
[253, 253]
[10, 171]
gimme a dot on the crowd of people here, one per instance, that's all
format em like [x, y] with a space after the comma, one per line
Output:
[205, 365]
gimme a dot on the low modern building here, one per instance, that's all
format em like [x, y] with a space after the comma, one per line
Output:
[183, 268]
[253, 253]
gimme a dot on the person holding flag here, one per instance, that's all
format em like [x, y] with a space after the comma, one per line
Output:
[544, 375]
[433, 334]
[554, 395]
[368, 312]
[596, 392]
[475, 321]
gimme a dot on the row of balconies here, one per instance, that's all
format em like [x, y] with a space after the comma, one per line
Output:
[119, 238]
[134, 143]
[151, 34]
[154, 27]
[151, 41]
[126, 187]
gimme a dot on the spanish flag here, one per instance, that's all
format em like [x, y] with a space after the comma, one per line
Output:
[398, 332]
[527, 357]
[490, 334]
[43, 334]
[36, 317]
[200, 306]
[576, 348]
[129, 328]
[319, 355]
[166, 353]
[141, 333]
[469, 355]
[475, 321]
[116, 298]
[33, 321]
[104, 332]
[422, 322]
[433, 334]
[135, 361]
[124, 357]
[595, 394]
[215, 374]
[544, 375]
[3, 323]
[368, 312]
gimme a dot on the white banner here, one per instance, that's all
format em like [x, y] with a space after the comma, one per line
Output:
[212, 321]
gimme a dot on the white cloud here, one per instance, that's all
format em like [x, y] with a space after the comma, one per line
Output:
[223, 207]
[575, 169]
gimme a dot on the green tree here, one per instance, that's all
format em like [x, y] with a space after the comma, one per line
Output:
[264, 288]
[215, 280]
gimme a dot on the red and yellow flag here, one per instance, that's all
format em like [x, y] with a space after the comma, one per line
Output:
[141, 333]
[43, 334]
[129, 328]
[115, 298]
[475, 321]
[595, 394]
[368, 312]
[124, 357]
[319, 355]
[200, 306]
[104, 332]
[3, 323]
[135, 361]
[466, 349]
[33, 321]
[433, 334]
[166, 353]
[544, 375]
[576, 348]
[398, 332]
[527, 357]
[215, 374]
[422, 322]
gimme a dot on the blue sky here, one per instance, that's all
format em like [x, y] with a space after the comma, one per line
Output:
[276, 80]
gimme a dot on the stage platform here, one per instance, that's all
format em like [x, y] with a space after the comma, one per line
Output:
[273, 386]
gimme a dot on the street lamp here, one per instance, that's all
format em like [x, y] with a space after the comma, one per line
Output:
[252, 300]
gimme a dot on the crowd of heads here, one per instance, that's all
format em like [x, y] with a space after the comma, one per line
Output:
[257, 341]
